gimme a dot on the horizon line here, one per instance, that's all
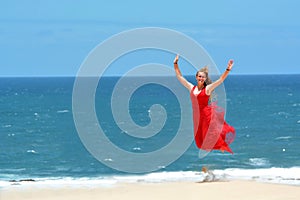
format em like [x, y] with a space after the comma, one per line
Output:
[118, 75]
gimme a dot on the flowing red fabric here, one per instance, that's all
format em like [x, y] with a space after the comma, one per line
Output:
[211, 132]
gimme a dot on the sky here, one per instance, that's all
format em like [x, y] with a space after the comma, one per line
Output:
[53, 37]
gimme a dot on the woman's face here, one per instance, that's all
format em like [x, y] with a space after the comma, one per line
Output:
[201, 77]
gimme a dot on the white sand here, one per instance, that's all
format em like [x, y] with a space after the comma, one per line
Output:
[239, 190]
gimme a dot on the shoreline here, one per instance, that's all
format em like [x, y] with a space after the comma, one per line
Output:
[286, 176]
[235, 189]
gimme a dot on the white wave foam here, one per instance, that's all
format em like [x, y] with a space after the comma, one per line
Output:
[283, 138]
[109, 181]
[289, 176]
[31, 151]
[62, 111]
[136, 149]
[259, 162]
[271, 175]
[158, 177]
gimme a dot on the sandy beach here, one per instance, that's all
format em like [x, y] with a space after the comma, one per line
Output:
[173, 190]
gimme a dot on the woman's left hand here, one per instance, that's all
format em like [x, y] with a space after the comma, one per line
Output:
[230, 64]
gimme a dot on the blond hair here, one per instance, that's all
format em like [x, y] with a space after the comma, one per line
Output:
[205, 71]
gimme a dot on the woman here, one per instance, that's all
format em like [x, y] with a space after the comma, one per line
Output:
[210, 129]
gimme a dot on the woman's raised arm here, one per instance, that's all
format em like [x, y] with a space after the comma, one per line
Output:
[179, 76]
[218, 82]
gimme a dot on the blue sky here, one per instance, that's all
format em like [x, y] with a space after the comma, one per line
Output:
[53, 37]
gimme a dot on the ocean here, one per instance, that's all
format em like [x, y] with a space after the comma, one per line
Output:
[39, 141]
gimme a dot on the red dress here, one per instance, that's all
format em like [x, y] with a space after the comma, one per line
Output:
[210, 129]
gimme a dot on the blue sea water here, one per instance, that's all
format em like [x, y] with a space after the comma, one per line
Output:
[39, 140]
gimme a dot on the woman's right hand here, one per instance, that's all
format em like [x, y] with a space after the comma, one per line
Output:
[176, 59]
